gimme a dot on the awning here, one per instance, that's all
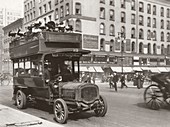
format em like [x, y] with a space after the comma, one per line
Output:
[154, 69]
[162, 69]
[145, 68]
[127, 69]
[137, 69]
[168, 68]
[83, 69]
[98, 69]
[91, 69]
[116, 69]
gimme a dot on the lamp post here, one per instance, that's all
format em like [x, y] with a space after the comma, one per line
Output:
[121, 37]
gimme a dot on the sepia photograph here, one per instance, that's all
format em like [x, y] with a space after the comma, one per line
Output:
[84, 63]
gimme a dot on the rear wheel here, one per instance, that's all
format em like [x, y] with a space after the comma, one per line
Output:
[21, 100]
[60, 111]
[153, 97]
[102, 107]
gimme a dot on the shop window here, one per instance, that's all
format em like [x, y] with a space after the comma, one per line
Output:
[154, 49]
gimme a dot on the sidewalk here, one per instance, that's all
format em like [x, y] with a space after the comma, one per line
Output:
[12, 118]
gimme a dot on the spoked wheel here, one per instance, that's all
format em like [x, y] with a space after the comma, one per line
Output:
[21, 100]
[60, 111]
[153, 97]
[102, 107]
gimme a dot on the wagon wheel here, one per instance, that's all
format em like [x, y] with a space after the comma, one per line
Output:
[60, 111]
[102, 107]
[21, 100]
[153, 97]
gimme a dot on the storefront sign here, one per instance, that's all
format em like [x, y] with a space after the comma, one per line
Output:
[90, 41]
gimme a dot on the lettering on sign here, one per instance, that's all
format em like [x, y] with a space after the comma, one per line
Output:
[90, 41]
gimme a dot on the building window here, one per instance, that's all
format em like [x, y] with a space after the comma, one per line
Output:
[123, 4]
[102, 1]
[141, 7]
[112, 15]
[78, 9]
[133, 46]
[149, 48]
[102, 13]
[141, 34]
[140, 47]
[168, 37]
[168, 25]
[31, 16]
[133, 5]
[123, 17]
[162, 49]
[149, 9]
[112, 2]
[168, 13]
[154, 9]
[49, 17]
[123, 32]
[102, 44]
[140, 20]
[40, 11]
[149, 22]
[133, 19]
[162, 11]
[56, 13]
[56, 2]
[45, 20]
[102, 28]
[78, 25]
[61, 12]
[162, 24]
[149, 35]
[111, 45]
[154, 49]
[112, 30]
[162, 36]
[133, 33]
[154, 36]
[154, 22]
[49, 5]
[67, 9]
[45, 9]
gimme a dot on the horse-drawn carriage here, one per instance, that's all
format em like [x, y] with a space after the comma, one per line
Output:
[157, 94]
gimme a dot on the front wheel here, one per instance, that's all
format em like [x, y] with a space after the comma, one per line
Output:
[21, 100]
[60, 111]
[102, 107]
[153, 97]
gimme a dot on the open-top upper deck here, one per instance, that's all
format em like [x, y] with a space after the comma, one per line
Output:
[44, 42]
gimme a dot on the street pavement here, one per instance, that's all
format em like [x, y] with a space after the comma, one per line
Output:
[10, 117]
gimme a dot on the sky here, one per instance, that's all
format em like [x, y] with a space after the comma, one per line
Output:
[12, 4]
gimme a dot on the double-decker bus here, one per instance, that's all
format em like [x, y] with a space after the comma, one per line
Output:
[46, 68]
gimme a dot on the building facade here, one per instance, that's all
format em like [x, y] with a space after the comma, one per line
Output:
[135, 32]
[14, 27]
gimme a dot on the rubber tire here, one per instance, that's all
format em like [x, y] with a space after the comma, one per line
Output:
[22, 101]
[99, 112]
[63, 107]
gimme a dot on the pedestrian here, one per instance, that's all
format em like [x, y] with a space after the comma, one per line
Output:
[111, 80]
[115, 80]
[122, 80]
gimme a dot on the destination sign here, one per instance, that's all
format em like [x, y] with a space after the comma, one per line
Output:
[66, 54]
